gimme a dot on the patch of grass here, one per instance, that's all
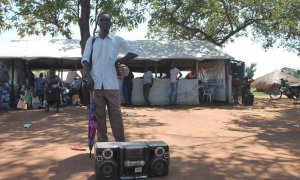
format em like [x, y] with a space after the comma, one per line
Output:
[256, 93]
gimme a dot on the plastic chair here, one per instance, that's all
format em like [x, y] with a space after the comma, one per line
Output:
[209, 93]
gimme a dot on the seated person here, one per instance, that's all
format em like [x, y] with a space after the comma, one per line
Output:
[75, 91]
[75, 85]
[53, 86]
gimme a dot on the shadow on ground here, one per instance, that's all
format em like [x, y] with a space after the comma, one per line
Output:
[265, 148]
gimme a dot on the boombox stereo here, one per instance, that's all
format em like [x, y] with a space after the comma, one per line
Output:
[131, 160]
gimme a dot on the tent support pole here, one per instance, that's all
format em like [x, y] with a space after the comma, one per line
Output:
[197, 69]
[155, 66]
[61, 69]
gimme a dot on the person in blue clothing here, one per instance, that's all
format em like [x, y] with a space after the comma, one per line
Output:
[4, 88]
[4, 96]
[39, 88]
[127, 88]
[75, 91]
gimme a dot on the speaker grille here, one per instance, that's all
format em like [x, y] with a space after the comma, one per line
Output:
[107, 153]
[159, 151]
[159, 167]
[106, 169]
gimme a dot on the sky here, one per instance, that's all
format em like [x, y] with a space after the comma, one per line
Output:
[243, 49]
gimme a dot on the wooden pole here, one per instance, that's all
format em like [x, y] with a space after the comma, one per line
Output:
[197, 69]
[61, 73]
[155, 66]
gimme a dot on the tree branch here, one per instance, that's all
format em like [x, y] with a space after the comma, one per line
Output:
[227, 14]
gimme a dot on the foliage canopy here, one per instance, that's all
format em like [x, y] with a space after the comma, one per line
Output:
[250, 70]
[291, 71]
[219, 21]
[54, 17]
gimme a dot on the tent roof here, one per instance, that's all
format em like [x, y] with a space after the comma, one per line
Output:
[64, 51]
[264, 82]
[39, 49]
[148, 49]
[193, 49]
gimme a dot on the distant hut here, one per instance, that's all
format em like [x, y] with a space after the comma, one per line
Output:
[266, 82]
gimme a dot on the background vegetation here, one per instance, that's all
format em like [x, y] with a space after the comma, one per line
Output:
[220, 21]
[291, 71]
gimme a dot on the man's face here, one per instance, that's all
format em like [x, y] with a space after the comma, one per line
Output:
[104, 22]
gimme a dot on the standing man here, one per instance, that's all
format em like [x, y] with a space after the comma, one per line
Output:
[127, 88]
[147, 84]
[174, 84]
[102, 76]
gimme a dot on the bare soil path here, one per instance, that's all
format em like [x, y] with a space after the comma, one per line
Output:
[210, 141]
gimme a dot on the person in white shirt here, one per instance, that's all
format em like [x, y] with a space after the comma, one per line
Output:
[147, 84]
[102, 76]
[173, 84]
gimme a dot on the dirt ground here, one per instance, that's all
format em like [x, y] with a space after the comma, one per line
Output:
[209, 141]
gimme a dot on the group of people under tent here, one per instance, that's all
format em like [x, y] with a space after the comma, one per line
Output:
[148, 81]
[38, 92]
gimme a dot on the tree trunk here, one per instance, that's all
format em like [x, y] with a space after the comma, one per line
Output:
[84, 24]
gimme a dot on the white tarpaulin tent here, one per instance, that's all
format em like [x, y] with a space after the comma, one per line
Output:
[66, 53]
[147, 49]
[211, 63]
[37, 49]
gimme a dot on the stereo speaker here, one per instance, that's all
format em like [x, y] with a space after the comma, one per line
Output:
[159, 158]
[106, 160]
